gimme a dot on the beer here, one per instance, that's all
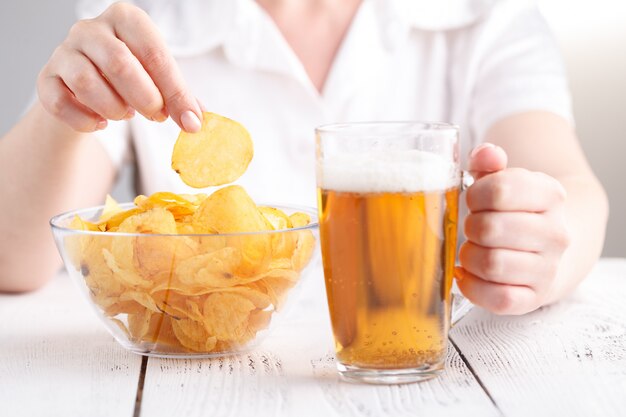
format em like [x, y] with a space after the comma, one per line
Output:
[388, 244]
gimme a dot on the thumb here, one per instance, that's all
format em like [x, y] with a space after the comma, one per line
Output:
[485, 159]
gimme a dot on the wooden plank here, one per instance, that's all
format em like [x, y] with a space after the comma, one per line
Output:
[293, 373]
[56, 358]
[566, 359]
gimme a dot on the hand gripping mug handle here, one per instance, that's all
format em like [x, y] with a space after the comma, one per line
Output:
[461, 305]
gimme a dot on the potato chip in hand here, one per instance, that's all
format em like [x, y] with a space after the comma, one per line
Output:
[218, 154]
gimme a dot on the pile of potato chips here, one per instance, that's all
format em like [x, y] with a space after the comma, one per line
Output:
[191, 273]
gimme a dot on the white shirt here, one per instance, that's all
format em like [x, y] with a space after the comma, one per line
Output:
[470, 62]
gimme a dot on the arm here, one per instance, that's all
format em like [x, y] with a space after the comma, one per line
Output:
[531, 239]
[47, 168]
[107, 68]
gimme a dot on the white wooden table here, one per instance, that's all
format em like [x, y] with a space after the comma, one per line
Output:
[569, 359]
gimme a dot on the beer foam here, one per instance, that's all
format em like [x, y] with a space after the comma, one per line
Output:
[388, 171]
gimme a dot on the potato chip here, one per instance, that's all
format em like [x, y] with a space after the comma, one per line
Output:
[111, 208]
[218, 154]
[114, 221]
[283, 244]
[214, 269]
[86, 255]
[226, 315]
[161, 199]
[176, 305]
[121, 307]
[127, 276]
[160, 331]
[106, 302]
[280, 263]
[231, 210]
[179, 206]
[211, 243]
[276, 217]
[299, 219]
[193, 309]
[140, 298]
[119, 323]
[75, 245]
[98, 276]
[276, 284]
[79, 224]
[195, 199]
[193, 335]
[223, 346]
[256, 253]
[150, 256]
[91, 259]
[258, 298]
[304, 249]
[285, 274]
[157, 256]
[184, 227]
[139, 323]
[155, 221]
[259, 320]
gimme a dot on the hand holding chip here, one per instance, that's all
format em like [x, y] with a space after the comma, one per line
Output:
[111, 66]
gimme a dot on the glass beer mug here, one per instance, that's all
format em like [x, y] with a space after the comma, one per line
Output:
[388, 197]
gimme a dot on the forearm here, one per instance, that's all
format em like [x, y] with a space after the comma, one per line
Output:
[586, 212]
[46, 168]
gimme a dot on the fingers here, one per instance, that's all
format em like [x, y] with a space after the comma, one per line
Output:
[133, 27]
[122, 69]
[520, 231]
[485, 159]
[515, 189]
[113, 65]
[515, 233]
[504, 266]
[495, 297]
[89, 87]
[62, 104]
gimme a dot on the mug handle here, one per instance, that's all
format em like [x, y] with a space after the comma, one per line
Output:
[461, 305]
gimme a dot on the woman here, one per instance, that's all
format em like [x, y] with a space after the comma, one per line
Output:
[534, 227]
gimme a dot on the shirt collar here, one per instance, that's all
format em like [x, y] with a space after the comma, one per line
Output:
[435, 15]
[192, 27]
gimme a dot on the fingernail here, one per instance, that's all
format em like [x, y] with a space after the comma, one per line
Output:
[129, 114]
[102, 124]
[190, 121]
[479, 148]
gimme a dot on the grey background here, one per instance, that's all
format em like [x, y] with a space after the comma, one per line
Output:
[592, 36]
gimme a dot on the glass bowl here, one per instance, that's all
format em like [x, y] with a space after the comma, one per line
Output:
[187, 295]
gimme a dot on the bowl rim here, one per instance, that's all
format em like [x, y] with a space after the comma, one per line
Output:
[56, 226]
